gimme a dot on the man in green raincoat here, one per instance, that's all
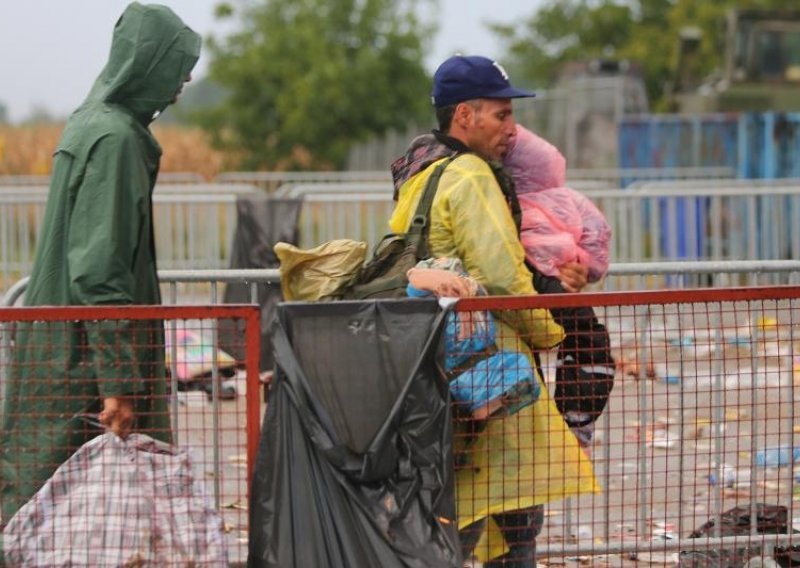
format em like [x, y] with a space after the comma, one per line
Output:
[97, 248]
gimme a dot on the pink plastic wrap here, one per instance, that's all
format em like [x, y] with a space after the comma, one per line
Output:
[534, 163]
[559, 225]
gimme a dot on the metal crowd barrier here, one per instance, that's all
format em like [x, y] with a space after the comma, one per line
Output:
[302, 190]
[615, 176]
[637, 276]
[699, 421]
[682, 223]
[694, 221]
[271, 181]
[24, 180]
[702, 419]
[688, 221]
[621, 177]
[205, 286]
[217, 425]
[194, 223]
[712, 183]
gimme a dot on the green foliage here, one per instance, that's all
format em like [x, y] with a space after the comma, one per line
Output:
[307, 78]
[197, 97]
[566, 30]
[645, 31]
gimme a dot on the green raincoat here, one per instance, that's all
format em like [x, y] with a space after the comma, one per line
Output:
[528, 458]
[96, 248]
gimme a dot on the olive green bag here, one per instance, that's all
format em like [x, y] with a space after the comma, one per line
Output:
[384, 275]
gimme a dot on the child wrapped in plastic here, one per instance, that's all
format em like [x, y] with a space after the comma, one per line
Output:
[483, 379]
[560, 225]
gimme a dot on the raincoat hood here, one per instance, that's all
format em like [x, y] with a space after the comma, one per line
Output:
[152, 53]
[534, 163]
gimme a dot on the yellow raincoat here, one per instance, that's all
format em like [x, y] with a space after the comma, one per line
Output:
[528, 458]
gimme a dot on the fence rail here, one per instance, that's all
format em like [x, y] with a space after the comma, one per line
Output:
[718, 223]
[701, 420]
[204, 286]
[698, 219]
[703, 406]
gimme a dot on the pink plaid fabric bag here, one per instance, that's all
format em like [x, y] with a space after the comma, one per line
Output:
[116, 502]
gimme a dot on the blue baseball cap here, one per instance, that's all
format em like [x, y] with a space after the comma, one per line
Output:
[466, 77]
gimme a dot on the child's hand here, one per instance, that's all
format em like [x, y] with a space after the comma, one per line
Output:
[442, 283]
[573, 276]
[454, 287]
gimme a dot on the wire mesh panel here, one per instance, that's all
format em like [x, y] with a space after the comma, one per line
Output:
[694, 461]
[172, 488]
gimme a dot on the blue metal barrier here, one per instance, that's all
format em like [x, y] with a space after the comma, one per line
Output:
[676, 141]
[757, 145]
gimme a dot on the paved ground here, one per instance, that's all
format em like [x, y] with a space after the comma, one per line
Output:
[693, 407]
[716, 393]
[224, 474]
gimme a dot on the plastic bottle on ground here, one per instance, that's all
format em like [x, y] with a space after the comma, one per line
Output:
[777, 456]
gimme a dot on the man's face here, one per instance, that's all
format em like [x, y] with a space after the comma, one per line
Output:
[180, 88]
[490, 128]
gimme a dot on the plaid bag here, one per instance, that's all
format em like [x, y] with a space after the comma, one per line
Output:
[116, 502]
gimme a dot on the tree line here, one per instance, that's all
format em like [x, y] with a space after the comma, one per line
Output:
[299, 81]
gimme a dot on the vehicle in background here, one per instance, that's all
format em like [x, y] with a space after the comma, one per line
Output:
[760, 70]
[580, 112]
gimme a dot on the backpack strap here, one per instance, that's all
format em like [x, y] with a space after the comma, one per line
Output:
[417, 233]
[506, 183]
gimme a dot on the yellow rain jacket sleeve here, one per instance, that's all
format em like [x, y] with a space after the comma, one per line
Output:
[528, 458]
[470, 220]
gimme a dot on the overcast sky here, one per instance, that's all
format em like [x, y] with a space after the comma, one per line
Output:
[52, 50]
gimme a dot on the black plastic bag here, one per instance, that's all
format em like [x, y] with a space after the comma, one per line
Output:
[261, 223]
[355, 465]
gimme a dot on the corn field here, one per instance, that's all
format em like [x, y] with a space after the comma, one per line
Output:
[28, 150]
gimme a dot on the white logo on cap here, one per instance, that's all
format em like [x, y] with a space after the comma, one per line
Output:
[500, 68]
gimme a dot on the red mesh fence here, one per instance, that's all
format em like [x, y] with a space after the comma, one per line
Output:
[175, 491]
[693, 461]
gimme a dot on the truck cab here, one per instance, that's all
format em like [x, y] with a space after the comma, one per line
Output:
[761, 67]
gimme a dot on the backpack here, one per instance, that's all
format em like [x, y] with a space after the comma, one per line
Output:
[384, 275]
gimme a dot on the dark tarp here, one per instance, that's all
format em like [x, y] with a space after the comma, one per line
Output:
[354, 466]
[770, 519]
[261, 223]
